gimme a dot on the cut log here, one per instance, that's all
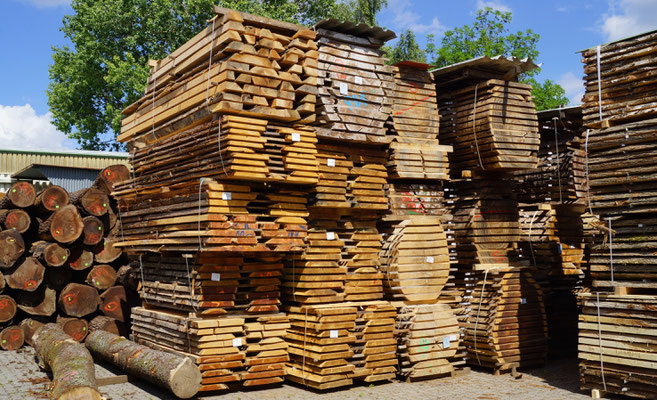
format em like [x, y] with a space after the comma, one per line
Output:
[52, 254]
[74, 327]
[16, 219]
[113, 303]
[12, 248]
[111, 175]
[51, 199]
[21, 195]
[108, 324]
[7, 308]
[2, 282]
[93, 201]
[57, 278]
[128, 277]
[42, 302]
[78, 300]
[80, 259]
[64, 225]
[29, 326]
[93, 230]
[12, 338]
[178, 374]
[72, 366]
[105, 252]
[27, 276]
[102, 277]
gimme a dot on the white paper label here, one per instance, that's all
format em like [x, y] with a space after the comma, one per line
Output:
[523, 301]
[330, 162]
[226, 196]
[640, 225]
[237, 342]
[446, 342]
[216, 276]
[344, 89]
[358, 80]
[454, 337]
[330, 235]
[296, 137]
[430, 260]
[333, 333]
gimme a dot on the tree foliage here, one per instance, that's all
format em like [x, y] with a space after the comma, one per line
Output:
[547, 95]
[105, 68]
[406, 49]
[366, 10]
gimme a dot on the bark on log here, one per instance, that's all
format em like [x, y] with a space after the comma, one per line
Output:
[64, 225]
[16, 219]
[57, 278]
[110, 176]
[12, 338]
[80, 259]
[51, 199]
[74, 327]
[105, 252]
[108, 324]
[93, 230]
[102, 277]
[2, 282]
[77, 300]
[21, 195]
[7, 308]
[52, 254]
[180, 375]
[114, 303]
[29, 326]
[128, 276]
[42, 302]
[27, 276]
[93, 201]
[71, 364]
[12, 248]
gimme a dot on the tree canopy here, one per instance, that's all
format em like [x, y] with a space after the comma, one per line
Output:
[406, 49]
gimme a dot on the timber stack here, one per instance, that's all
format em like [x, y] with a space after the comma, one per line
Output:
[619, 114]
[59, 263]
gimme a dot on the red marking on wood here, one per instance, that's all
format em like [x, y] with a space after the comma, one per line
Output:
[111, 306]
[3, 304]
[71, 298]
[29, 284]
[411, 106]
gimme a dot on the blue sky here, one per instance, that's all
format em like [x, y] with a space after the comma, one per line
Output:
[31, 27]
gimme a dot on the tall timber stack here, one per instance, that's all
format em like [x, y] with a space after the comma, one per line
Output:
[490, 120]
[617, 336]
[223, 158]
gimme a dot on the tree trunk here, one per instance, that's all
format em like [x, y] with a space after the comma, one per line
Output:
[52, 254]
[113, 303]
[51, 199]
[7, 309]
[16, 219]
[72, 366]
[12, 338]
[57, 278]
[102, 277]
[42, 302]
[105, 252]
[77, 300]
[12, 248]
[107, 324]
[29, 326]
[27, 276]
[80, 258]
[64, 225]
[93, 230]
[93, 201]
[180, 375]
[110, 176]
[74, 327]
[21, 195]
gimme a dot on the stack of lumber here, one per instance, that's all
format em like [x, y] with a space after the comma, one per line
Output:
[375, 351]
[266, 349]
[617, 344]
[320, 342]
[414, 151]
[507, 326]
[428, 335]
[560, 177]
[619, 80]
[492, 125]
[412, 198]
[58, 260]
[353, 102]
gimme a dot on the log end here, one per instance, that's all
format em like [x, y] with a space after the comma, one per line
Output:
[185, 379]
[11, 338]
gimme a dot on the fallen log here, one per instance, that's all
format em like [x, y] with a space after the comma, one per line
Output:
[108, 324]
[71, 364]
[78, 300]
[12, 248]
[180, 375]
[29, 326]
[64, 225]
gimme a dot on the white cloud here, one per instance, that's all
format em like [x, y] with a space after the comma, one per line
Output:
[47, 3]
[495, 5]
[574, 87]
[562, 9]
[21, 127]
[404, 18]
[629, 17]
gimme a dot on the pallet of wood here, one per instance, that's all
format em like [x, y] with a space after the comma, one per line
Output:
[353, 102]
[617, 344]
[415, 198]
[375, 352]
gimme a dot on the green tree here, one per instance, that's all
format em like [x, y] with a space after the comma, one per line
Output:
[406, 49]
[105, 68]
[547, 95]
[366, 10]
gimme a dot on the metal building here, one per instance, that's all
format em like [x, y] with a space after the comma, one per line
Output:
[70, 169]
